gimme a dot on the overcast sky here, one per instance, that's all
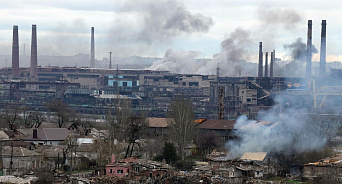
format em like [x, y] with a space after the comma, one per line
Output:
[149, 27]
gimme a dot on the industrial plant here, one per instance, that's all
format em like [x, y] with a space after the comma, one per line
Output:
[301, 113]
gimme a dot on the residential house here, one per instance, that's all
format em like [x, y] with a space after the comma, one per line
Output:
[158, 127]
[119, 168]
[48, 136]
[23, 160]
[222, 128]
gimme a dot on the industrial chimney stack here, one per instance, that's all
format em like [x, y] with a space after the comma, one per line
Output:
[260, 60]
[308, 50]
[110, 60]
[266, 64]
[272, 63]
[92, 49]
[33, 63]
[15, 53]
[322, 69]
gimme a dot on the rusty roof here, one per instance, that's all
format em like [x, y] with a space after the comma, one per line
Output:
[217, 124]
[158, 122]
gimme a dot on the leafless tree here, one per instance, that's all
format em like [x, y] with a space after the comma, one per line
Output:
[35, 119]
[61, 110]
[11, 115]
[207, 142]
[182, 126]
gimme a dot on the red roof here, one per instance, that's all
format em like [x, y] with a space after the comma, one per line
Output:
[217, 124]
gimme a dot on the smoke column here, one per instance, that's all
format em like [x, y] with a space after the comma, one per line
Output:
[15, 53]
[280, 129]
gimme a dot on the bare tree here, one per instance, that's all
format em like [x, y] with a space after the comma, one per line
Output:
[11, 115]
[35, 119]
[207, 143]
[135, 130]
[182, 126]
[62, 111]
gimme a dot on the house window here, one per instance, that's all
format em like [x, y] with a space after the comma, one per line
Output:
[110, 171]
[119, 171]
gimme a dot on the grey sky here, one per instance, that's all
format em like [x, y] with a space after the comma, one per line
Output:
[149, 28]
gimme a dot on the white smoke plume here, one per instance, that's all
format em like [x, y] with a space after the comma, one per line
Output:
[178, 62]
[279, 129]
[231, 58]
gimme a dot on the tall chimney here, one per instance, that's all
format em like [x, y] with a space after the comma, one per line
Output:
[272, 63]
[110, 60]
[92, 49]
[260, 60]
[15, 53]
[266, 64]
[35, 133]
[33, 63]
[308, 50]
[322, 69]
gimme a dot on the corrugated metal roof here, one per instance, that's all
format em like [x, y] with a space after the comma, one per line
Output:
[217, 124]
[158, 122]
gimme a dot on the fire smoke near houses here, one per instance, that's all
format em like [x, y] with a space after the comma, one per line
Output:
[282, 128]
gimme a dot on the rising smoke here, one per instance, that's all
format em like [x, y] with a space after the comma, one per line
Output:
[281, 129]
[298, 50]
[155, 23]
[234, 52]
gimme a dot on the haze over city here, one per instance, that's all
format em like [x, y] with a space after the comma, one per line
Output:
[149, 28]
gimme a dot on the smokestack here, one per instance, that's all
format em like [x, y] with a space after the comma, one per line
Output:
[308, 50]
[15, 53]
[92, 49]
[322, 69]
[260, 60]
[33, 63]
[266, 64]
[272, 63]
[110, 60]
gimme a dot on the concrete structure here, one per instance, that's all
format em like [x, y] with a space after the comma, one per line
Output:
[323, 69]
[15, 53]
[309, 50]
[34, 59]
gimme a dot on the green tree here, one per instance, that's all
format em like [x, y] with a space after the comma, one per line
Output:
[169, 153]
[181, 123]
